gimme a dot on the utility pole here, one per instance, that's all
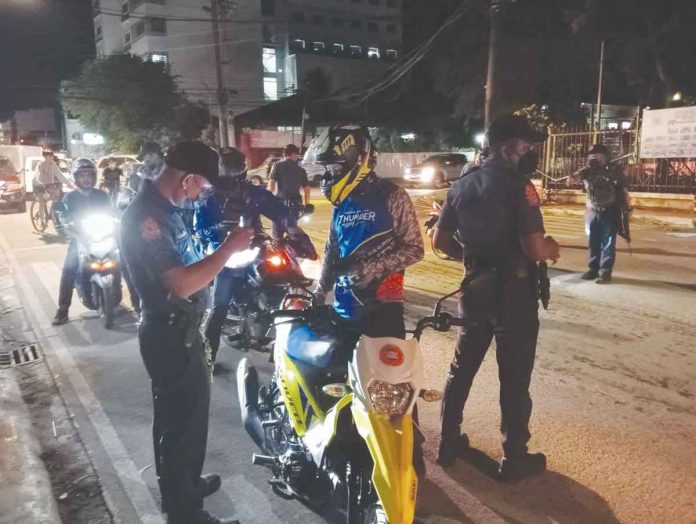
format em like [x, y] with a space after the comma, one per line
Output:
[495, 10]
[221, 93]
[599, 87]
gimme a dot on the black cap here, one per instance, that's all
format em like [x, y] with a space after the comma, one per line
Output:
[149, 147]
[195, 158]
[598, 149]
[507, 127]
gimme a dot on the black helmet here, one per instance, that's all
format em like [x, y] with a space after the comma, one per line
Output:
[81, 167]
[349, 156]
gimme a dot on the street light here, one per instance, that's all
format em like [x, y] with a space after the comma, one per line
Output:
[677, 97]
[480, 138]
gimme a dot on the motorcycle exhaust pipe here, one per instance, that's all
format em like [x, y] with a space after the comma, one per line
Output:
[248, 391]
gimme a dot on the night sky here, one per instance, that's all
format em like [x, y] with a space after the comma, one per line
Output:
[41, 43]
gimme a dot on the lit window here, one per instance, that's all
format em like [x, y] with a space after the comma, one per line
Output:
[372, 52]
[337, 48]
[613, 125]
[626, 125]
[160, 58]
[270, 88]
[268, 58]
[298, 43]
[318, 46]
[392, 54]
[355, 50]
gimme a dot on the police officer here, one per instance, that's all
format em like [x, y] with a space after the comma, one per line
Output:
[288, 181]
[172, 282]
[607, 192]
[72, 207]
[495, 210]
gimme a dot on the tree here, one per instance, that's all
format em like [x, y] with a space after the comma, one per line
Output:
[130, 101]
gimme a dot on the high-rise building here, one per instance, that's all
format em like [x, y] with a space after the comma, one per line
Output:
[268, 46]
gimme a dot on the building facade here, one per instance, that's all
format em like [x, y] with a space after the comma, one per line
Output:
[268, 46]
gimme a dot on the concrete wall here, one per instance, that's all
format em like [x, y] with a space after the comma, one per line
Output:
[643, 200]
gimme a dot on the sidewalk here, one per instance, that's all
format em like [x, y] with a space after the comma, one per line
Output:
[671, 219]
[25, 487]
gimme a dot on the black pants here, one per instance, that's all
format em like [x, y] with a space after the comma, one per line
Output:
[181, 397]
[503, 306]
[67, 277]
[226, 283]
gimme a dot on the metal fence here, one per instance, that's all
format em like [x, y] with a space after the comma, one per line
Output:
[566, 151]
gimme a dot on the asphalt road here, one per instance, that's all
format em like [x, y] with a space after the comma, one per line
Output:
[614, 363]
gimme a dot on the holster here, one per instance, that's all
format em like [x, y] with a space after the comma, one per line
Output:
[544, 284]
[192, 312]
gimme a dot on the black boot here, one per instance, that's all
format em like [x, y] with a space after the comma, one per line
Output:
[61, 317]
[451, 449]
[514, 469]
[210, 484]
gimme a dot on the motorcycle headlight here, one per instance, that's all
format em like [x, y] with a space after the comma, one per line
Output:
[98, 227]
[390, 399]
[105, 244]
[242, 258]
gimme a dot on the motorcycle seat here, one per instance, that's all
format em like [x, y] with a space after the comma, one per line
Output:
[317, 350]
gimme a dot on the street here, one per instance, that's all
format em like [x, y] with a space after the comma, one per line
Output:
[613, 390]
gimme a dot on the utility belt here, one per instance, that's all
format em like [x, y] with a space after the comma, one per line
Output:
[183, 313]
[498, 272]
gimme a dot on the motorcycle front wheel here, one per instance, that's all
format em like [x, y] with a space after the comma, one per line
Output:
[107, 306]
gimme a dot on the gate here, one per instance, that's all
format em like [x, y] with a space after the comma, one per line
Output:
[566, 151]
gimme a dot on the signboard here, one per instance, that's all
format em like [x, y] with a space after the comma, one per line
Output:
[268, 139]
[669, 133]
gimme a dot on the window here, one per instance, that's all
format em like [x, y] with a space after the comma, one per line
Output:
[318, 19]
[270, 88]
[298, 17]
[318, 47]
[139, 29]
[157, 26]
[355, 50]
[159, 58]
[268, 7]
[268, 59]
[392, 54]
[298, 44]
[391, 28]
[337, 49]
[356, 24]
[98, 31]
[372, 27]
[269, 36]
[372, 52]
[124, 11]
[126, 38]
[338, 22]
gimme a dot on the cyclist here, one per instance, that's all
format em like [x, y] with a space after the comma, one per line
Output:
[49, 180]
[72, 207]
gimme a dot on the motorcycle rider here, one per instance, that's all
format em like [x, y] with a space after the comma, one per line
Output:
[111, 177]
[235, 198]
[374, 234]
[72, 207]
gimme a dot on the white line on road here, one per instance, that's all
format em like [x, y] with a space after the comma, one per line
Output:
[141, 498]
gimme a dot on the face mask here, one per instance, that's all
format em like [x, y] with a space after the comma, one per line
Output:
[190, 204]
[528, 163]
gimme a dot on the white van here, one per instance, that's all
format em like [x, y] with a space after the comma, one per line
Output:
[23, 158]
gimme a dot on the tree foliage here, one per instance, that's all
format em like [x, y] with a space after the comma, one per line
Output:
[130, 101]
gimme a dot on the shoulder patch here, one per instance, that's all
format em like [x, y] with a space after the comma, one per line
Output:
[531, 195]
[150, 229]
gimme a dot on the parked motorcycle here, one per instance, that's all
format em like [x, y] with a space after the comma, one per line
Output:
[336, 417]
[271, 271]
[98, 281]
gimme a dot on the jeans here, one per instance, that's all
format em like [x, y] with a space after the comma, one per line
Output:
[67, 277]
[601, 228]
[226, 283]
[503, 306]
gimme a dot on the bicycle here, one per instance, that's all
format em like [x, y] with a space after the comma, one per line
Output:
[40, 212]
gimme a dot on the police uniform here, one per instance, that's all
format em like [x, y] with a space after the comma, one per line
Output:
[154, 240]
[491, 209]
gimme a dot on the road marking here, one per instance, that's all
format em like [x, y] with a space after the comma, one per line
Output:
[136, 489]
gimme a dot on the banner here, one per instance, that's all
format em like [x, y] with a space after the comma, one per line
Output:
[668, 133]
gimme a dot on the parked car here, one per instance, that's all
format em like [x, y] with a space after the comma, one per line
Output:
[12, 192]
[259, 175]
[436, 170]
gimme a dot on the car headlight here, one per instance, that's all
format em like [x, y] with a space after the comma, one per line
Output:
[390, 399]
[427, 173]
[407, 171]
